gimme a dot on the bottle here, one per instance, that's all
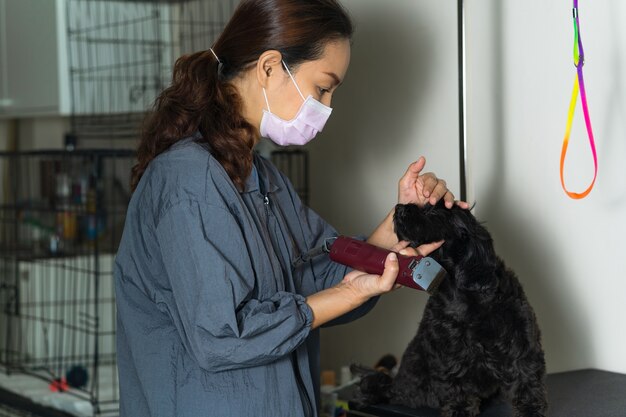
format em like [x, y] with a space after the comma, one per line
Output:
[66, 221]
[91, 229]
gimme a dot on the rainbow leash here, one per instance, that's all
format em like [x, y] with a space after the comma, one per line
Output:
[579, 85]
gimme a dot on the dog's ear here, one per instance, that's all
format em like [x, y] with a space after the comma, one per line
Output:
[476, 277]
[476, 262]
[470, 250]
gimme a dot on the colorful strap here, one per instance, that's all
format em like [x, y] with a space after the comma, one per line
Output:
[579, 84]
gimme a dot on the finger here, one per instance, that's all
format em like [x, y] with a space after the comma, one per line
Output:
[398, 247]
[412, 173]
[409, 252]
[441, 189]
[428, 248]
[449, 199]
[388, 278]
[429, 182]
[463, 205]
[417, 166]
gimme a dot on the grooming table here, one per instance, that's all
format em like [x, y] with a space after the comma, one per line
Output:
[586, 393]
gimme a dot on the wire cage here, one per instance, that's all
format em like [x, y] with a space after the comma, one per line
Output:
[62, 212]
[61, 218]
[121, 55]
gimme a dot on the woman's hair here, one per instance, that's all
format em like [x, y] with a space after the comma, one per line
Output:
[202, 98]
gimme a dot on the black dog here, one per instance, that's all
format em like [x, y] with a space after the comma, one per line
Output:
[478, 338]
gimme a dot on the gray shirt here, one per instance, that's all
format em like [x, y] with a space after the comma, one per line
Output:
[212, 318]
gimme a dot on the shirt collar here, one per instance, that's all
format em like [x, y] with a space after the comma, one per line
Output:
[260, 179]
[264, 180]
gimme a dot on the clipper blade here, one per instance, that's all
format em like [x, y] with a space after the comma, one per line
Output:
[428, 274]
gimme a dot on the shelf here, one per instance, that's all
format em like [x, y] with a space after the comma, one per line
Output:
[31, 257]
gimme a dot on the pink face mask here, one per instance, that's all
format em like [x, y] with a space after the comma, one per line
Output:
[310, 120]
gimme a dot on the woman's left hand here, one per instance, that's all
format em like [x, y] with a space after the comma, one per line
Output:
[404, 248]
[425, 188]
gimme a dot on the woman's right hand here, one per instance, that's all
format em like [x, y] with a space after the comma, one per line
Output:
[367, 286]
[370, 285]
[357, 287]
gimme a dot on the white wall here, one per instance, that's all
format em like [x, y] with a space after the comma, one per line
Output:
[399, 102]
[569, 254]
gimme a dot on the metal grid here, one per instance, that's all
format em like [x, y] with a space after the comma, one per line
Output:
[121, 55]
[61, 219]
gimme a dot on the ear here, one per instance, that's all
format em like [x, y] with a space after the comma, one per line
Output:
[476, 276]
[268, 67]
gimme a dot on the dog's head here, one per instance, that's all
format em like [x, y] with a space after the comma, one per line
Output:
[467, 253]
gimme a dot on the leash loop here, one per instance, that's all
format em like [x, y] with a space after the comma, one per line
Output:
[579, 87]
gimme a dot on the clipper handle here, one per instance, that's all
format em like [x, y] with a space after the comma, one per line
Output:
[371, 259]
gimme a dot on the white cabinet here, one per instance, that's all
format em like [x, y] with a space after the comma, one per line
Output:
[61, 57]
[33, 59]
[104, 57]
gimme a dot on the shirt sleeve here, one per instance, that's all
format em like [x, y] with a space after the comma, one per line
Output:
[212, 283]
[326, 273]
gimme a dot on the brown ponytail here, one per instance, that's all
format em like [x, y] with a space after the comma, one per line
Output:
[202, 98]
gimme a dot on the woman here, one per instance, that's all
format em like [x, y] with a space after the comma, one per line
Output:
[213, 320]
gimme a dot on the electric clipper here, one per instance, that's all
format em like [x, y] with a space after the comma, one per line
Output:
[418, 272]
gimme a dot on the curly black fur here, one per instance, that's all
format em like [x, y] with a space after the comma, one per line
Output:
[478, 337]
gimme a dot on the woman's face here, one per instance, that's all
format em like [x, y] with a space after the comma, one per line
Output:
[319, 78]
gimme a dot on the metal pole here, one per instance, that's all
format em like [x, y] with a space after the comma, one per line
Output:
[462, 100]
